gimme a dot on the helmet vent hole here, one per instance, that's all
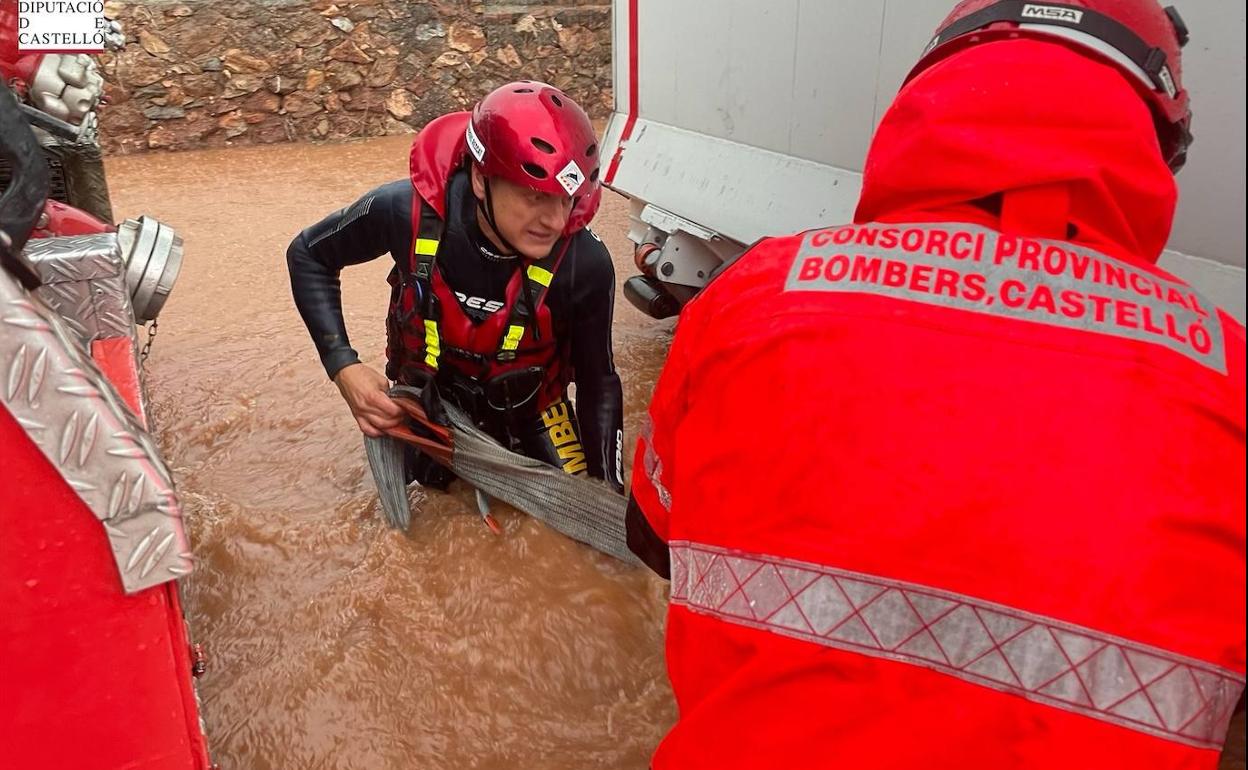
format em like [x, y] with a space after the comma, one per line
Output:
[543, 145]
[594, 176]
[558, 102]
[534, 170]
[524, 90]
[591, 150]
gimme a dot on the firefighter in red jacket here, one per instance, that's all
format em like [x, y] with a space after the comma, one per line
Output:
[1002, 523]
[500, 293]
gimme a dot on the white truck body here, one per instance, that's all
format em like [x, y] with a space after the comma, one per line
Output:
[738, 119]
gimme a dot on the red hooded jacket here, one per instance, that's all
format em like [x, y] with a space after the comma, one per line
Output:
[1001, 521]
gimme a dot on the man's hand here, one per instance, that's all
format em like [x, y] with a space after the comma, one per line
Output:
[365, 391]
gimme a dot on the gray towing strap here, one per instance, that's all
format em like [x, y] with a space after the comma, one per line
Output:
[584, 509]
[385, 460]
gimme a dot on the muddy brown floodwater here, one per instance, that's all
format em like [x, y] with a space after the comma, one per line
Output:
[334, 642]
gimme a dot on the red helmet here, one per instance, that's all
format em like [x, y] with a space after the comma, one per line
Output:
[533, 134]
[1138, 36]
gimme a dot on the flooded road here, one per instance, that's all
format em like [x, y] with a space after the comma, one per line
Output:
[335, 643]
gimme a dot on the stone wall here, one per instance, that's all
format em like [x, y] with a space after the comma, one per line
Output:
[208, 73]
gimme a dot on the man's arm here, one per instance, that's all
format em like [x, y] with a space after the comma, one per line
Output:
[353, 235]
[599, 397]
[648, 518]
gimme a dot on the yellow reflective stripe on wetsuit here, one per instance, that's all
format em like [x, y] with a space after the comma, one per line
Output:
[428, 247]
[512, 340]
[433, 344]
[515, 332]
[540, 275]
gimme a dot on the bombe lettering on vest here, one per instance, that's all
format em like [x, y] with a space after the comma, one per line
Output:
[562, 434]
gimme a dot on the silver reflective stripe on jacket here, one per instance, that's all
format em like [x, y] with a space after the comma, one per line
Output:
[1041, 659]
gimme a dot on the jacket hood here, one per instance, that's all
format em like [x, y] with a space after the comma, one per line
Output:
[1029, 137]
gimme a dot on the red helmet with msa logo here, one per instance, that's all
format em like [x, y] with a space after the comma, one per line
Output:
[1138, 36]
[534, 135]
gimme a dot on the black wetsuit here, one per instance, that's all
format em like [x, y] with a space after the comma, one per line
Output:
[581, 296]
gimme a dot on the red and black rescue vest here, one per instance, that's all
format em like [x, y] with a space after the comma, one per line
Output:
[428, 333]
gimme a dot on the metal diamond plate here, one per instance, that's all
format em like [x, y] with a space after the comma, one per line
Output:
[71, 412]
[74, 257]
[84, 282]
